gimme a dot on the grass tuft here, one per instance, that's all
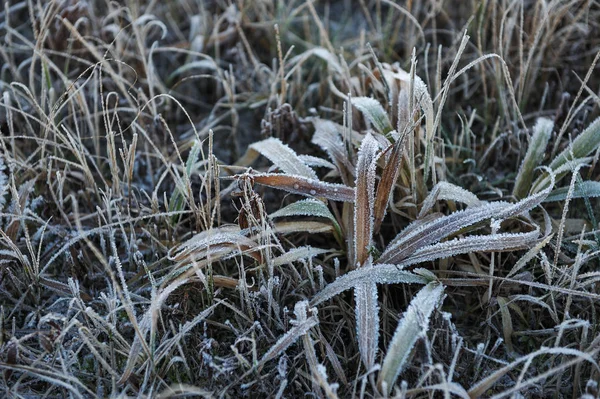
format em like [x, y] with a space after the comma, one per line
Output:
[296, 198]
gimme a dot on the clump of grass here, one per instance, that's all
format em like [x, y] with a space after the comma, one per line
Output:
[297, 198]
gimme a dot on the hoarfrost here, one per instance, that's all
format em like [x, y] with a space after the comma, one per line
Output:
[284, 157]
[367, 322]
[381, 274]
[414, 323]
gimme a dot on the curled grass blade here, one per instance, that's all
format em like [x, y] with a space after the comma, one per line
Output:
[575, 154]
[388, 179]
[197, 246]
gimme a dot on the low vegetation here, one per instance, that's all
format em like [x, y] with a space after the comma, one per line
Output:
[271, 198]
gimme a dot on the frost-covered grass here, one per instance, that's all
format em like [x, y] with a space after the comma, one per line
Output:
[269, 198]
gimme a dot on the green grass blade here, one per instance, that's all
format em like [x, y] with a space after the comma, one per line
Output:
[308, 207]
[585, 189]
[374, 112]
[586, 143]
[534, 156]
[414, 324]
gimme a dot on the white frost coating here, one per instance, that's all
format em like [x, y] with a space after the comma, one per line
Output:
[204, 241]
[393, 273]
[284, 157]
[561, 171]
[405, 244]
[148, 324]
[374, 112]
[448, 191]
[414, 324]
[307, 207]
[478, 243]
[421, 93]
[327, 136]
[303, 186]
[364, 197]
[381, 274]
[367, 309]
[367, 322]
[4, 189]
[298, 253]
[316, 161]
[301, 326]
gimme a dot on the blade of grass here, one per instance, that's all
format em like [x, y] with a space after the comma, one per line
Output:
[406, 244]
[374, 112]
[366, 306]
[413, 325]
[381, 274]
[364, 200]
[303, 186]
[535, 154]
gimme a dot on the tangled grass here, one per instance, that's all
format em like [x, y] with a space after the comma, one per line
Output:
[368, 198]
